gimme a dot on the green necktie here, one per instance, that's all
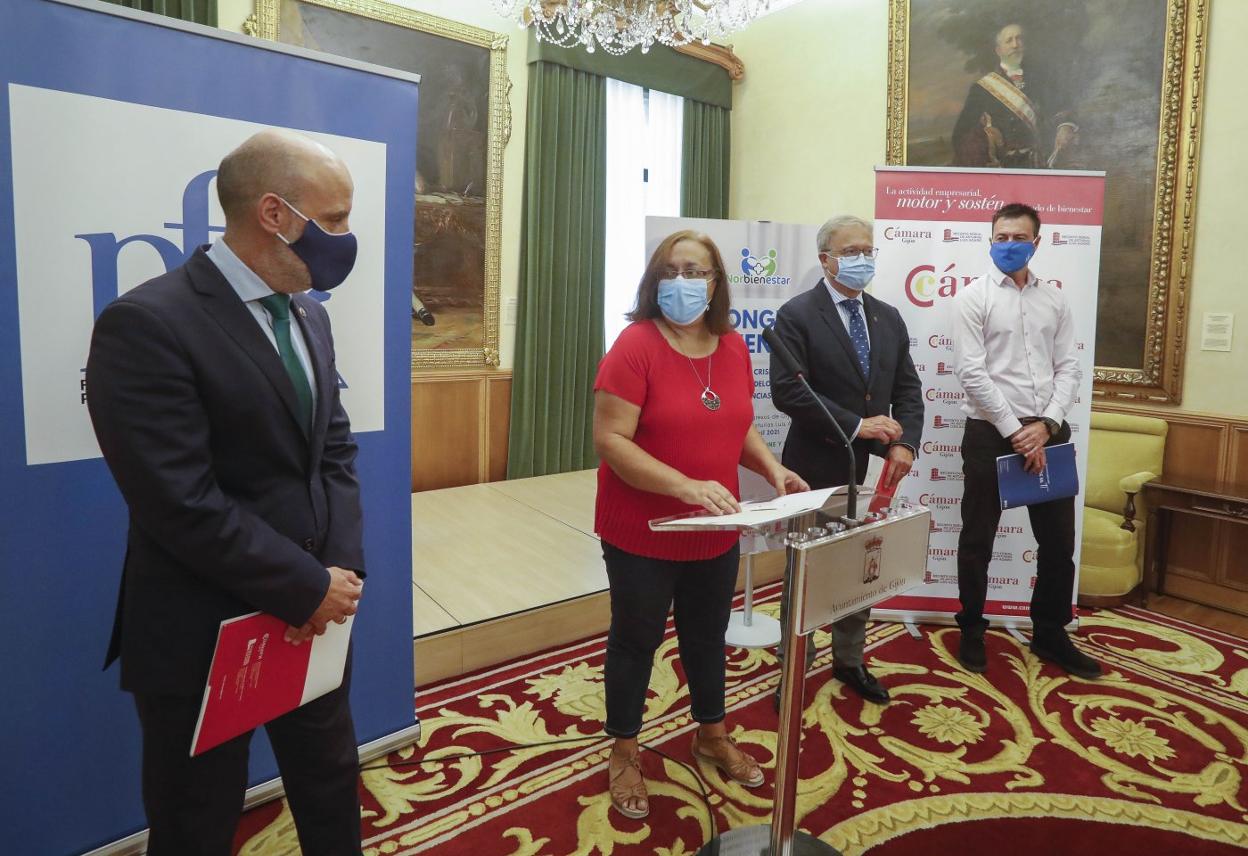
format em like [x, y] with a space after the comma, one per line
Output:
[279, 308]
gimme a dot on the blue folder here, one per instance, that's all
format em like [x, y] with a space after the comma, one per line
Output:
[1058, 480]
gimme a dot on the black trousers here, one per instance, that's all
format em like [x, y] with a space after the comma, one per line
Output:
[1052, 525]
[642, 591]
[193, 804]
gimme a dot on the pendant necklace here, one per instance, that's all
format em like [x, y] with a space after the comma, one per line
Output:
[709, 398]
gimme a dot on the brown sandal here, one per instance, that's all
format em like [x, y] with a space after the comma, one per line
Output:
[742, 769]
[623, 796]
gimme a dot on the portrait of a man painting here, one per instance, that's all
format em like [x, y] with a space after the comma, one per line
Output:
[1060, 84]
[458, 160]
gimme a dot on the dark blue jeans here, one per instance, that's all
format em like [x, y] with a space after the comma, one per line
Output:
[642, 592]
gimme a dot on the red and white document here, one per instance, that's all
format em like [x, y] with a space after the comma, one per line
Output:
[880, 469]
[257, 676]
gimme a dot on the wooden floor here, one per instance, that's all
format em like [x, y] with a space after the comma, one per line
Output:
[1204, 616]
[507, 569]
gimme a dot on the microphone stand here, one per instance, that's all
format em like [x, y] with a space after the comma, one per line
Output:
[786, 356]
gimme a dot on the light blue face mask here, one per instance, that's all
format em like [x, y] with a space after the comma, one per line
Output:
[682, 301]
[854, 272]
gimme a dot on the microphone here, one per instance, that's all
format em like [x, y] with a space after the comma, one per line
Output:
[785, 356]
[419, 311]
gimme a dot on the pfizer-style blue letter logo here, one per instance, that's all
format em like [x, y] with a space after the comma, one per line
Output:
[752, 265]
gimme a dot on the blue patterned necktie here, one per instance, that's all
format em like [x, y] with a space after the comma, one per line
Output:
[858, 335]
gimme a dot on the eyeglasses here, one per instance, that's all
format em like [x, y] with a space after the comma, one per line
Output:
[854, 252]
[688, 273]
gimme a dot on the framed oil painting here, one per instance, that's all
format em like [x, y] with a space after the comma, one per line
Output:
[1110, 85]
[464, 124]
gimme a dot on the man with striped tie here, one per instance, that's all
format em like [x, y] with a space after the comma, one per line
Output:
[855, 351]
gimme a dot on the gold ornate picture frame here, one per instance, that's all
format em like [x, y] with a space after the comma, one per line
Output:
[1129, 82]
[458, 236]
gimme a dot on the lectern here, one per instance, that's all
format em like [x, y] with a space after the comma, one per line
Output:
[834, 565]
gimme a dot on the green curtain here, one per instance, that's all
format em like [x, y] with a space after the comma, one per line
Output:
[195, 11]
[559, 319]
[705, 149]
[661, 68]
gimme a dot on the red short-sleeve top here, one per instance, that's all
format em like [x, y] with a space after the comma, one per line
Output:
[677, 429]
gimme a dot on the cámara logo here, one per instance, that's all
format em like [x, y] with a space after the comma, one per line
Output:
[945, 450]
[930, 499]
[933, 394]
[906, 236]
[924, 286]
[938, 342]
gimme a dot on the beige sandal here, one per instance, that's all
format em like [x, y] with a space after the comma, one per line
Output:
[741, 769]
[629, 800]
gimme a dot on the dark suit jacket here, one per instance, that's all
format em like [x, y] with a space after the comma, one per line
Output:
[233, 508]
[809, 324]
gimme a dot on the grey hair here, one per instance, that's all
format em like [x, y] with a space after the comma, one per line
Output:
[829, 229]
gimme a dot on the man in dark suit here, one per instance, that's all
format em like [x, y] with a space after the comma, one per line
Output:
[213, 394]
[855, 352]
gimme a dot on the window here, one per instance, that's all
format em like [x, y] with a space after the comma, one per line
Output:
[643, 179]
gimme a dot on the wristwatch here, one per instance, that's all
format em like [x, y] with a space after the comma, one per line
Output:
[1052, 425]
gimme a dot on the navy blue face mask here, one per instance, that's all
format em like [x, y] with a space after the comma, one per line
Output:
[329, 257]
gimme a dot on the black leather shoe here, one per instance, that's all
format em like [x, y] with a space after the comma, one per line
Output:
[971, 653]
[858, 679]
[1059, 650]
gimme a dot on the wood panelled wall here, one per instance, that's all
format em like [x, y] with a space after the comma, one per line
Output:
[460, 419]
[1208, 559]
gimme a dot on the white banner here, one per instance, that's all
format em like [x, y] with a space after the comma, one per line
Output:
[932, 226]
[97, 214]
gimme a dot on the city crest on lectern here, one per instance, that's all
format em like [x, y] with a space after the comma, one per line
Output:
[871, 559]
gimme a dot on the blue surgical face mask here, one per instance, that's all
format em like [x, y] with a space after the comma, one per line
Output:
[1010, 256]
[328, 256]
[682, 301]
[854, 272]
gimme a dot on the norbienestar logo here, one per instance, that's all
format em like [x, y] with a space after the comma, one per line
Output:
[759, 269]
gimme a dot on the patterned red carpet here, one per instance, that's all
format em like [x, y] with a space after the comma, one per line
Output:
[1023, 760]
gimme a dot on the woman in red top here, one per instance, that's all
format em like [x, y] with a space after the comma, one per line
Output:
[673, 418]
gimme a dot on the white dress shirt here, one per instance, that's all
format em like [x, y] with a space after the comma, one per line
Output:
[250, 288]
[1014, 351]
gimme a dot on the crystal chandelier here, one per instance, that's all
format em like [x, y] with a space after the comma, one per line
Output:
[618, 26]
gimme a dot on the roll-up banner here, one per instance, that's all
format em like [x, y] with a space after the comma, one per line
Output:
[932, 227]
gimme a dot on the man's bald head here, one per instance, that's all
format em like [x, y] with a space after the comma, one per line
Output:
[277, 162]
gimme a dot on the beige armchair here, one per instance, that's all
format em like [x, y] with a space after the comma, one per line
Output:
[1124, 453]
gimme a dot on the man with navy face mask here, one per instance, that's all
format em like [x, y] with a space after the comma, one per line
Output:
[855, 351]
[1014, 354]
[214, 397]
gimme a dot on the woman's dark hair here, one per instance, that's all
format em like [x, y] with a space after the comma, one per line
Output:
[647, 306]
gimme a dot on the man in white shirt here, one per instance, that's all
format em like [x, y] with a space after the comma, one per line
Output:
[1014, 354]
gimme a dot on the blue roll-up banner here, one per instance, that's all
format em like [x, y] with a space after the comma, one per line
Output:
[111, 127]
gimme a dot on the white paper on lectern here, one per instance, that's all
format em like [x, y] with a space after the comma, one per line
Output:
[756, 513]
